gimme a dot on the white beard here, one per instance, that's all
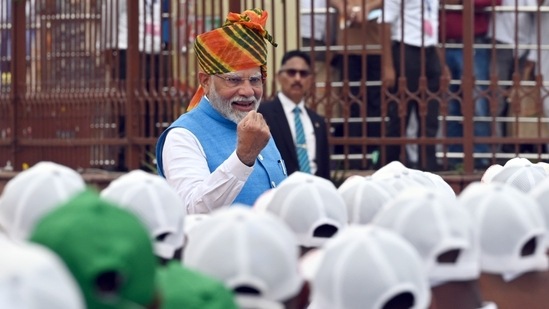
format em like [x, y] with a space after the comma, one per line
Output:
[225, 108]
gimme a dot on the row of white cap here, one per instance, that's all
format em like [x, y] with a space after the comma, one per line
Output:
[34, 277]
[489, 222]
[46, 185]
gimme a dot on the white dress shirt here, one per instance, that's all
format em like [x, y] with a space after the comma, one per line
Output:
[306, 26]
[504, 24]
[115, 20]
[413, 22]
[186, 170]
[308, 128]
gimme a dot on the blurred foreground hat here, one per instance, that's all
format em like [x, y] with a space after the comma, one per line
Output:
[184, 288]
[391, 168]
[441, 185]
[254, 254]
[490, 172]
[400, 177]
[106, 248]
[156, 203]
[436, 225]
[310, 205]
[540, 193]
[518, 161]
[194, 220]
[366, 267]
[33, 193]
[523, 177]
[510, 228]
[238, 45]
[32, 277]
[364, 197]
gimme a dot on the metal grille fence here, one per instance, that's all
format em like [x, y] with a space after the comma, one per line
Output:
[93, 83]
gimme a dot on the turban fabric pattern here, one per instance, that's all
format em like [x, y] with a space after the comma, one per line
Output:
[238, 45]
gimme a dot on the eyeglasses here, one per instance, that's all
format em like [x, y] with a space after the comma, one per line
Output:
[293, 72]
[236, 81]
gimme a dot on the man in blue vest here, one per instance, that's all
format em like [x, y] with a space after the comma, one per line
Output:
[221, 152]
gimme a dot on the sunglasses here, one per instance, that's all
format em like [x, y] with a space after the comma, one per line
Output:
[293, 72]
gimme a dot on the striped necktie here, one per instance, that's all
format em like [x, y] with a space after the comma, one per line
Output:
[301, 143]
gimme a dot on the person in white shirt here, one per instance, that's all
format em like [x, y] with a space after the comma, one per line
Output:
[221, 152]
[418, 43]
[153, 63]
[502, 31]
[539, 64]
[313, 21]
[318, 25]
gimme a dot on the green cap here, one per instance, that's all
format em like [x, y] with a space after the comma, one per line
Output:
[106, 248]
[184, 288]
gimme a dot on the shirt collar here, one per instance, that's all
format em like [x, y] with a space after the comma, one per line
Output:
[288, 105]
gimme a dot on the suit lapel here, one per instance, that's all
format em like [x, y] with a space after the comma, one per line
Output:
[284, 127]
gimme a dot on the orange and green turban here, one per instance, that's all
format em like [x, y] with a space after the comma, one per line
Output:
[238, 45]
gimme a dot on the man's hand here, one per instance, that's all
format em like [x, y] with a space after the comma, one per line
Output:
[445, 77]
[357, 14]
[389, 76]
[357, 11]
[252, 136]
[529, 71]
[388, 73]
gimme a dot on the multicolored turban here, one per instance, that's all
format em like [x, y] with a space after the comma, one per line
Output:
[238, 45]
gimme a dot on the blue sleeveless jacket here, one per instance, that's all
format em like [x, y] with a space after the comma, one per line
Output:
[217, 135]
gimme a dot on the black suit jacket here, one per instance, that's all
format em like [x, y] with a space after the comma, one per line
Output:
[273, 112]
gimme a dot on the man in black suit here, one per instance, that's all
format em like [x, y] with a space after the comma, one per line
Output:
[295, 79]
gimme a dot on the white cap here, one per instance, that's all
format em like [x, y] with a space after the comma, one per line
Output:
[310, 205]
[420, 177]
[246, 248]
[365, 267]
[403, 180]
[32, 277]
[434, 224]
[506, 219]
[540, 193]
[441, 185]
[157, 204]
[33, 193]
[545, 166]
[391, 168]
[194, 220]
[397, 168]
[523, 177]
[263, 200]
[518, 161]
[490, 172]
[364, 197]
